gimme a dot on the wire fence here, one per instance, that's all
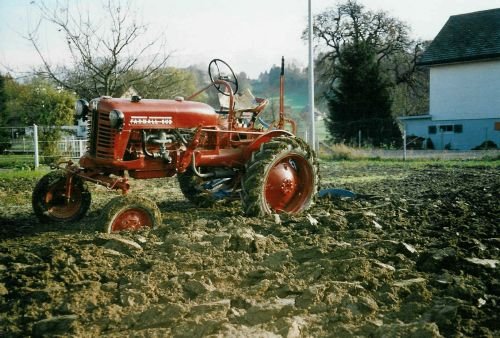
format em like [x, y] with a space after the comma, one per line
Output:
[29, 143]
[28, 146]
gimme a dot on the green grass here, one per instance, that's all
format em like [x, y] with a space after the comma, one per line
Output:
[17, 161]
[413, 163]
[364, 179]
[296, 101]
[16, 185]
[341, 172]
[12, 174]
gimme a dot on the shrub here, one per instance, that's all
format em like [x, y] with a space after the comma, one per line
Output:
[430, 144]
[5, 142]
[340, 151]
[486, 145]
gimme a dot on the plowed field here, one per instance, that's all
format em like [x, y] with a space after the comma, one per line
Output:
[416, 253]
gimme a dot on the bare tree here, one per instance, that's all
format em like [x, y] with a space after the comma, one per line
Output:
[108, 50]
[350, 23]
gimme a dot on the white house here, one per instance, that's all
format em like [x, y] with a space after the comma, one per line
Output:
[464, 62]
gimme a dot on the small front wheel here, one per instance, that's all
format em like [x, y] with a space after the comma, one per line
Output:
[130, 213]
[50, 202]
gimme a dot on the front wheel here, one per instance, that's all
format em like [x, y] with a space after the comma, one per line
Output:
[50, 202]
[281, 177]
[130, 213]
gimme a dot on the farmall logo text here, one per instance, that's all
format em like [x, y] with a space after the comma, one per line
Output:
[151, 120]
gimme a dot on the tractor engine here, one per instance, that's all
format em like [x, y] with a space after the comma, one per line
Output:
[160, 139]
[145, 137]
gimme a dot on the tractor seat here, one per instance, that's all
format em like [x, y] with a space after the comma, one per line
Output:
[243, 102]
[246, 107]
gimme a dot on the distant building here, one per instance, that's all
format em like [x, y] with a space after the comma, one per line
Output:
[131, 91]
[464, 62]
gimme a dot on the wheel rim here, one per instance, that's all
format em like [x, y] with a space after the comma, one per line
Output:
[289, 184]
[132, 219]
[58, 206]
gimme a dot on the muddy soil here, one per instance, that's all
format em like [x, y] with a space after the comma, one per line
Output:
[415, 254]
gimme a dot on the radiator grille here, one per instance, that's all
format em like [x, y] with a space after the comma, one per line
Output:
[101, 136]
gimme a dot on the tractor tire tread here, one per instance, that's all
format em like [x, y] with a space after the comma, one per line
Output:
[41, 189]
[253, 181]
[121, 203]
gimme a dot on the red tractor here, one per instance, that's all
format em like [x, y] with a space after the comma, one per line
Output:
[214, 154]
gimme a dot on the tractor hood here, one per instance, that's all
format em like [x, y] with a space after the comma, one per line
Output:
[155, 114]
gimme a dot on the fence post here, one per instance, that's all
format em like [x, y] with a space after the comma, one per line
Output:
[35, 144]
[404, 144]
[82, 150]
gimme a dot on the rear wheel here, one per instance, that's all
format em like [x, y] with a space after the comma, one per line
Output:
[49, 198]
[204, 192]
[130, 213]
[280, 177]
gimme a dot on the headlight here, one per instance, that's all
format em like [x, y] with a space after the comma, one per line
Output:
[116, 119]
[81, 108]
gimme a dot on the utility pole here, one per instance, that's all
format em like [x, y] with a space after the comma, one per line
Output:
[312, 136]
[35, 144]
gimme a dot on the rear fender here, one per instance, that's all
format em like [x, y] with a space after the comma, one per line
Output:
[255, 145]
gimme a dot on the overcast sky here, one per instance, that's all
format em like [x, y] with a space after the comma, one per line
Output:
[251, 35]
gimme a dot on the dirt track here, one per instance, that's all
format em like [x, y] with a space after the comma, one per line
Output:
[417, 254]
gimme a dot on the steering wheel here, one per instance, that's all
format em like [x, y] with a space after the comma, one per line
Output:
[220, 70]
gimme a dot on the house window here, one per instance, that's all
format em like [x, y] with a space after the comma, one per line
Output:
[458, 128]
[432, 129]
[445, 128]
